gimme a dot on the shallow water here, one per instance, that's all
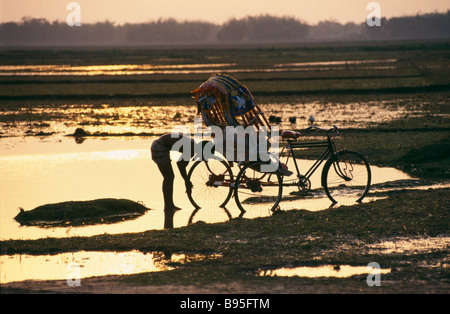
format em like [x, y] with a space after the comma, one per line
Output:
[118, 69]
[398, 245]
[27, 120]
[403, 245]
[37, 171]
[323, 271]
[78, 265]
[203, 68]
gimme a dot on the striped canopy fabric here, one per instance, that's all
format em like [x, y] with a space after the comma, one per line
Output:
[223, 100]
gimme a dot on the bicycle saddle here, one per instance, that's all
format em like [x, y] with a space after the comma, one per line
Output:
[290, 134]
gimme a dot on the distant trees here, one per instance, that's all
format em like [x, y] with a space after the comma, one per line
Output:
[169, 31]
[331, 30]
[251, 29]
[264, 28]
[432, 26]
[42, 32]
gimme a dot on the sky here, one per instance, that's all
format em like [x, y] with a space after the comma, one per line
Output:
[217, 11]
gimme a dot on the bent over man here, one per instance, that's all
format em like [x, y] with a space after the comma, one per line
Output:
[161, 156]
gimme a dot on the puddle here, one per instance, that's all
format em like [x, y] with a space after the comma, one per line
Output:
[341, 271]
[328, 63]
[70, 266]
[35, 172]
[410, 246]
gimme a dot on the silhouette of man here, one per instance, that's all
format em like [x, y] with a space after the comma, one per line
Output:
[160, 150]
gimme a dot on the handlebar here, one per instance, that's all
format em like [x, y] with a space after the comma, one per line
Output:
[333, 129]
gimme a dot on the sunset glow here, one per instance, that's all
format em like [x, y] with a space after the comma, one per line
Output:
[141, 11]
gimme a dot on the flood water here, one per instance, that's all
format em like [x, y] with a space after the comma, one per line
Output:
[26, 120]
[205, 68]
[322, 271]
[40, 164]
[77, 265]
[37, 171]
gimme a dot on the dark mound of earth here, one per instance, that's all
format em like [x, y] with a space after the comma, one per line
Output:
[72, 213]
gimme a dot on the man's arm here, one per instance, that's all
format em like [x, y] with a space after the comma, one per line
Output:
[182, 165]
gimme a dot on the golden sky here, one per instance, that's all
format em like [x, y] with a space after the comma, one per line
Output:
[134, 11]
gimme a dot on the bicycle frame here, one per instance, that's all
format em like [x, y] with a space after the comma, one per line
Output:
[292, 144]
[334, 154]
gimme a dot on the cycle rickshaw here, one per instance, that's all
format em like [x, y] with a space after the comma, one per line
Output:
[224, 101]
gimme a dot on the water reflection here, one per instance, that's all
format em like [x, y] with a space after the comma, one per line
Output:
[202, 68]
[328, 63]
[36, 172]
[119, 69]
[84, 264]
[341, 271]
[411, 245]
[149, 119]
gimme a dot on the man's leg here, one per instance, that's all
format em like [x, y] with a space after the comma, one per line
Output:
[168, 175]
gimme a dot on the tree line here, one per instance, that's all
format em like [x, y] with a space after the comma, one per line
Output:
[251, 29]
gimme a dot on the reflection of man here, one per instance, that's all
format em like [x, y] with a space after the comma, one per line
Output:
[161, 156]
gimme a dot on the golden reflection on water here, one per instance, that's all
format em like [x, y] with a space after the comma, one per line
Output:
[202, 68]
[411, 245]
[156, 120]
[329, 63]
[322, 271]
[83, 264]
[36, 172]
[118, 69]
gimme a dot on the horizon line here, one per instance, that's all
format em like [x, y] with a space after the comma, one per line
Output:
[178, 20]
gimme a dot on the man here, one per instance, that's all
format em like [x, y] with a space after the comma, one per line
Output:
[161, 156]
